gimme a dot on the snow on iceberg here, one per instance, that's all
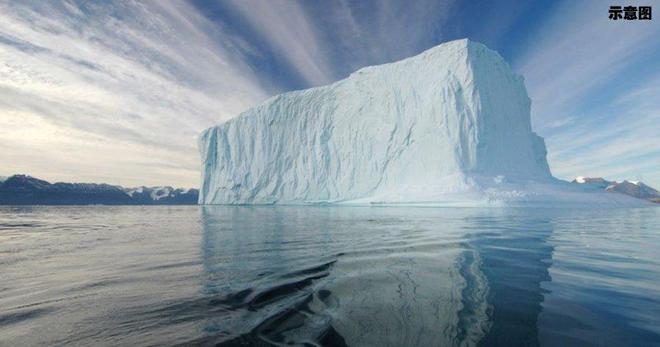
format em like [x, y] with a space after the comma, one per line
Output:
[448, 126]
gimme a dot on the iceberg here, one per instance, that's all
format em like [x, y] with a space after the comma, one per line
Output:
[449, 126]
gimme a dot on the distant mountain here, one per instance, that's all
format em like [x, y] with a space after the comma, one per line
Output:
[636, 189]
[27, 190]
[633, 188]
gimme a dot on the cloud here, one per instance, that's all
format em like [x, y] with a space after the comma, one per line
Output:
[124, 81]
[621, 143]
[572, 55]
[325, 41]
[385, 31]
[559, 123]
[595, 70]
[286, 27]
[107, 85]
[118, 91]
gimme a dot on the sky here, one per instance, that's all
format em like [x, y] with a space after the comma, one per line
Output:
[118, 91]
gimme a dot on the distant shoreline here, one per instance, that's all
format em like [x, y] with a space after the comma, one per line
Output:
[24, 190]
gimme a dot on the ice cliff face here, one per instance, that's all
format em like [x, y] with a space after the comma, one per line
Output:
[446, 124]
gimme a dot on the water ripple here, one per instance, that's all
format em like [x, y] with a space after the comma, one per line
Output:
[328, 276]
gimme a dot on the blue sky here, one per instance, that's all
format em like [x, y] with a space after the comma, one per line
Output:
[117, 92]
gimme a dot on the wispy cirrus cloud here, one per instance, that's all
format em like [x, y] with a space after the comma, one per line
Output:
[559, 123]
[572, 55]
[289, 31]
[118, 91]
[87, 89]
[621, 143]
[326, 41]
[589, 81]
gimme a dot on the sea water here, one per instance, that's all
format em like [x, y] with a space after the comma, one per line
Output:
[356, 276]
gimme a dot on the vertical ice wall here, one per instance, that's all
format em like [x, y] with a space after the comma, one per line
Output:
[420, 129]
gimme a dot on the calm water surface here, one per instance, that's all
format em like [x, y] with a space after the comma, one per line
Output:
[369, 276]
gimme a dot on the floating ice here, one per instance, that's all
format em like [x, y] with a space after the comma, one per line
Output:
[448, 126]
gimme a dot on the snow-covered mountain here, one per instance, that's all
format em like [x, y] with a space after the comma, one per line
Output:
[598, 182]
[27, 190]
[632, 188]
[450, 125]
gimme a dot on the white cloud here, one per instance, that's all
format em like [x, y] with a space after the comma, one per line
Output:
[560, 122]
[572, 54]
[571, 60]
[287, 28]
[620, 144]
[118, 91]
[93, 92]
[326, 41]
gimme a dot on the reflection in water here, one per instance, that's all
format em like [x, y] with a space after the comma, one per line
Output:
[267, 275]
[605, 288]
[337, 276]
[515, 262]
[374, 276]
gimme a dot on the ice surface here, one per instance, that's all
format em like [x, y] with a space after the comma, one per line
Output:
[448, 126]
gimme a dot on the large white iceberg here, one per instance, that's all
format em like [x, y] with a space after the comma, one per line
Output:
[448, 126]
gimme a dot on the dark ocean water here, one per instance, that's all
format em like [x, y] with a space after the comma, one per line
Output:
[358, 276]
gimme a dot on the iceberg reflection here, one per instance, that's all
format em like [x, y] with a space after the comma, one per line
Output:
[373, 276]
